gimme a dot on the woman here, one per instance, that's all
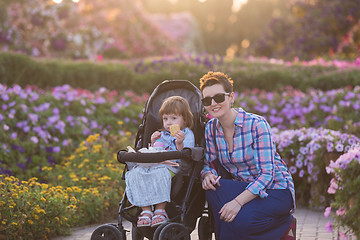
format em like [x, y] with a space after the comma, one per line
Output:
[256, 203]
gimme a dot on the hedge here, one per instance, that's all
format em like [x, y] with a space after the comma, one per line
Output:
[143, 76]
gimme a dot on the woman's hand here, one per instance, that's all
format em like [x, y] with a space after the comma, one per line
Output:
[209, 182]
[155, 136]
[229, 211]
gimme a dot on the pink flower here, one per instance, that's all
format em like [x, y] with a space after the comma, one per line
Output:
[327, 211]
[99, 57]
[341, 211]
[333, 186]
[343, 236]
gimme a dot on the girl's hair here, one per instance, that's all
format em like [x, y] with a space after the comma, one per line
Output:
[212, 78]
[179, 106]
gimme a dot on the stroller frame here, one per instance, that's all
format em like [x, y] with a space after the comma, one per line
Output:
[183, 209]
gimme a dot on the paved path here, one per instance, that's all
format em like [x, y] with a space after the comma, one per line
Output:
[310, 226]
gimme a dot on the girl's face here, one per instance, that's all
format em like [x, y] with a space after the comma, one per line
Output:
[217, 107]
[171, 119]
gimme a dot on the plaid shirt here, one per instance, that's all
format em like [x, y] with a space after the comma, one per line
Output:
[254, 158]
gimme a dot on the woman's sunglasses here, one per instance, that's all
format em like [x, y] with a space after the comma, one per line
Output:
[218, 98]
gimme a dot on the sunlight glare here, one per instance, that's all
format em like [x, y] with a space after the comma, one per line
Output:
[237, 5]
[57, 1]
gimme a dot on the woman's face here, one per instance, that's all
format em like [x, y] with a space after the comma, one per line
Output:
[217, 109]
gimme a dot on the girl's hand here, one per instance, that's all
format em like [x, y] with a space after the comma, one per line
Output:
[229, 211]
[209, 182]
[155, 136]
[179, 139]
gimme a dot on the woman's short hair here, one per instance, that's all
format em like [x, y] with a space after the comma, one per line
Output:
[212, 78]
[179, 106]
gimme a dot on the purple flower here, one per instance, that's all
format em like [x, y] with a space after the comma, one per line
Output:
[13, 135]
[69, 118]
[329, 147]
[52, 120]
[33, 117]
[49, 149]
[6, 127]
[51, 160]
[1, 117]
[339, 147]
[56, 111]
[301, 173]
[26, 129]
[329, 227]
[5, 97]
[65, 142]
[21, 165]
[299, 163]
[292, 170]
[34, 139]
[56, 149]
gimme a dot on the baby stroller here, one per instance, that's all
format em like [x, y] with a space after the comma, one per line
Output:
[187, 197]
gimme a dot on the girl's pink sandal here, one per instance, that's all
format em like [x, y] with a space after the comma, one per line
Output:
[144, 220]
[161, 215]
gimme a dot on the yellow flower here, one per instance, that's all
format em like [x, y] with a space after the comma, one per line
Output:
[120, 122]
[14, 223]
[30, 222]
[36, 217]
[60, 177]
[128, 134]
[43, 199]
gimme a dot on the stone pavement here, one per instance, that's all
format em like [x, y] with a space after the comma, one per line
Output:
[310, 226]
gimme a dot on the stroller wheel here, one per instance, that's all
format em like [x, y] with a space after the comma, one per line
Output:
[158, 230]
[107, 232]
[204, 228]
[174, 231]
[135, 234]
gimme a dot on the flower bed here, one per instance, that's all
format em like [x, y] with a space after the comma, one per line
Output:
[307, 152]
[336, 109]
[83, 189]
[345, 186]
[39, 127]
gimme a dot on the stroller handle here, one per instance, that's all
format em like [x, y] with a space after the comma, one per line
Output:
[194, 153]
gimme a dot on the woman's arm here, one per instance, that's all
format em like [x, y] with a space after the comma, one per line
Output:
[230, 209]
[210, 153]
[264, 152]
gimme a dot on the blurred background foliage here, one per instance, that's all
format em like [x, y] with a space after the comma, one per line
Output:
[95, 29]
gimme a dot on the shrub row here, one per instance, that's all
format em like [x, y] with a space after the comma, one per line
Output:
[143, 76]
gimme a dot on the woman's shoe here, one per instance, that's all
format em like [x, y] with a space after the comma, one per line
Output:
[159, 217]
[144, 219]
[291, 232]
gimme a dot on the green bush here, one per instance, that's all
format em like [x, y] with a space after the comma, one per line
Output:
[143, 76]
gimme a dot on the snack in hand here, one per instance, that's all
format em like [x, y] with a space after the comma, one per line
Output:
[173, 129]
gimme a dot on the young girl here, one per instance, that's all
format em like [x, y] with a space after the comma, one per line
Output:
[150, 186]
